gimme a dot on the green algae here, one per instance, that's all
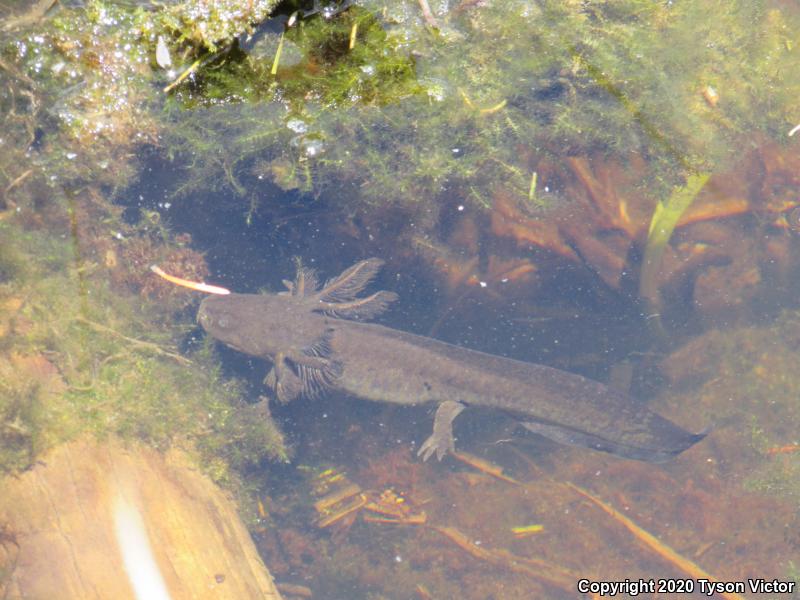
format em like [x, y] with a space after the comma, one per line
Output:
[82, 87]
[376, 103]
[80, 351]
[410, 114]
[78, 357]
[213, 25]
[408, 118]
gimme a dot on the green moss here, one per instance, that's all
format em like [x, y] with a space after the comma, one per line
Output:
[213, 25]
[82, 85]
[78, 357]
[410, 113]
[12, 265]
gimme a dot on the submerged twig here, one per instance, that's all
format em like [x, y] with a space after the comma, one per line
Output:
[789, 448]
[484, 466]
[192, 285]
[155, 348]
[533, 567]
[17, 74]
[428, 14]
[647, 538]
[192, 68]
[493, 109]
[17, 181]
[200, 62]
[532, 188]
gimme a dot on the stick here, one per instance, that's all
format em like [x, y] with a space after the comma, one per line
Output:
[649, 540]
[426, 12]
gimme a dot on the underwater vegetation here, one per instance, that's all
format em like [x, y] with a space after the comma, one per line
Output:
[84, 346]
[82, 354]
[496, 88]
[83, 83]
[501, 142]
[504, 142]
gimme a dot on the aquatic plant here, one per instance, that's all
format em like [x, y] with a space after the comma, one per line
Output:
[213, 24]
[662, 224]
[84, 82]
[410, 113]
[83, 346]
[79, 357]
[406, 112]
[392, 110]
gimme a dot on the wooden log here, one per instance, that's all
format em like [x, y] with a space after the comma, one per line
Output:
[109, 520]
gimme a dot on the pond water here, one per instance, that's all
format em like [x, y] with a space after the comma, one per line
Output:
[606, 188]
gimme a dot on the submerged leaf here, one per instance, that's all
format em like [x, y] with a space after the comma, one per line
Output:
[665, 218]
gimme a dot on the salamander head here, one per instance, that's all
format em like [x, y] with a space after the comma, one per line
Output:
[259, 324]
[222, 319]
[241, 321]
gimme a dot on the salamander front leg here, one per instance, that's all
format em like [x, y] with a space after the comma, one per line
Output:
[441, 440]
[283, 380]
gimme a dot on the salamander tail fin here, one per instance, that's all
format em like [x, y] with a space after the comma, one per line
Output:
[648, 452]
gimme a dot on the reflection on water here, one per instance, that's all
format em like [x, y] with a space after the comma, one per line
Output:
[574, 184]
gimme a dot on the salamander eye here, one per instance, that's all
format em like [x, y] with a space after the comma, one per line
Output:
[223, 321]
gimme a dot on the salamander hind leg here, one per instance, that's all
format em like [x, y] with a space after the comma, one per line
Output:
[441, 440]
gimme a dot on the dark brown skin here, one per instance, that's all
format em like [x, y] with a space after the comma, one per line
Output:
[316, 340]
